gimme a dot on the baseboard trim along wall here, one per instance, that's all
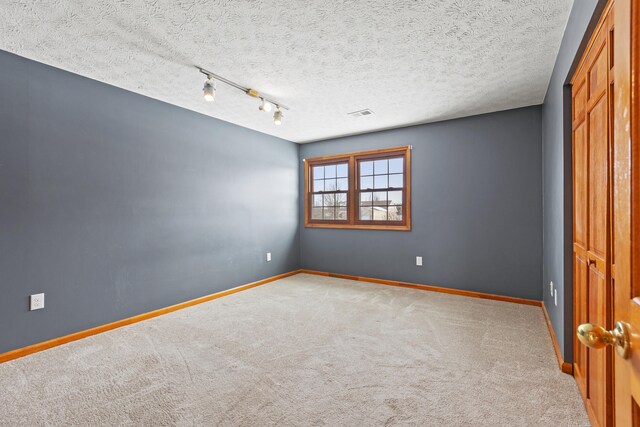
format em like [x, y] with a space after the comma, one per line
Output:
[565, 367]
[428, 288]
[20, 352]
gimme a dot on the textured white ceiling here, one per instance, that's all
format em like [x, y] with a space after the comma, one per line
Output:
[409, 61]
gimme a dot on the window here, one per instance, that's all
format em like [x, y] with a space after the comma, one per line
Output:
[329, 192]
[369, 190]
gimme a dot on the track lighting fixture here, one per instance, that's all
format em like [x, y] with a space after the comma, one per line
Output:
[209, 90]
[266, 104]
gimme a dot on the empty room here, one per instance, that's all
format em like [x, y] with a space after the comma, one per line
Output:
[305, 213]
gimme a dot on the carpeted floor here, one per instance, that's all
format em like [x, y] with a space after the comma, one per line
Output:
[305, 350]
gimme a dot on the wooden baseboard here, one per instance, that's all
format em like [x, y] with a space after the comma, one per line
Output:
[565, 367]
[429, 288]
[20, 352]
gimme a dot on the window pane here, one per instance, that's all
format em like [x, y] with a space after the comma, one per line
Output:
[366, 168]
[342, 184]
[380, 181]
[330, 171]
[380, 198]
[395, 181]
[316, 213]
[343, 170]
[365, 213]
[379, 213]
[396, 165]
[318, 172]
[329, 200]
[317, 200]
[395, 197]
[330, 185]
[380, 167]
[328, 213]
[366, 183]
[341, 213]
[341, 199]
[395, 213]
[366, 198]
[318, 185]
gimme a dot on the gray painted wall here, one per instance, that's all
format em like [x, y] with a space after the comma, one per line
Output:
[111, 202]
[557, 222]
[114, 204]
[477, 208]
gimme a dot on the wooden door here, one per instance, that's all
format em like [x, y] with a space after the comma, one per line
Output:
[607, 266]
[592, 212]
[626, 210]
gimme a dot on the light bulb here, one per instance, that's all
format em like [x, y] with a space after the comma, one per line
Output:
[265, 106]
[277, 118]
[209, 91]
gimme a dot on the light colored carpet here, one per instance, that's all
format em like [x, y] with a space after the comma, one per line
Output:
[305, 350]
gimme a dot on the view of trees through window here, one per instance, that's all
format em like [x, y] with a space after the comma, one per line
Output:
[330, 190]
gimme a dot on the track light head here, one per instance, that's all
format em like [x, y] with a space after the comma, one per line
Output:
[264, 105]
[277, 117]
[209, 90]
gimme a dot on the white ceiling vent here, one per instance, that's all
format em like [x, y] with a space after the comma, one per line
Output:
[359, 113]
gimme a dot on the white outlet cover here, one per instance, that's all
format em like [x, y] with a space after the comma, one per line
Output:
[419, 261]
[268, 256]
[555, 297]
[37, 301]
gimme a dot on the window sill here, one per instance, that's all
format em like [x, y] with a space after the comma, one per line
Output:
[362, 226]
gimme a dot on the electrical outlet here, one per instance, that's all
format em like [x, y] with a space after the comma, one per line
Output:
[268, 256]
[555, 297]
[419, 261]
[37, 301]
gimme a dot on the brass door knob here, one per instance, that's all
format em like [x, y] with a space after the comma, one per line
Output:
[594, 336]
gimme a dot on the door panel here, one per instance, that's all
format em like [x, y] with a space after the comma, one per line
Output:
[597, 359]
[580, 185]
[598, 73]
[579, 102]
[598, 178]
[580, 367]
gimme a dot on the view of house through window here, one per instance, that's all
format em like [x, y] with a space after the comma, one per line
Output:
[359, 190]
[381, 184]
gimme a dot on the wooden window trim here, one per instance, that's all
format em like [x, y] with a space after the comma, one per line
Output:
[353, 193]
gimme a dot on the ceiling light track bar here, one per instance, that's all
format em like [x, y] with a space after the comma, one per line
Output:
[251, 92]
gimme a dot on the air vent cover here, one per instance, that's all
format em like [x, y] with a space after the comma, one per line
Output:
[359, 113]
